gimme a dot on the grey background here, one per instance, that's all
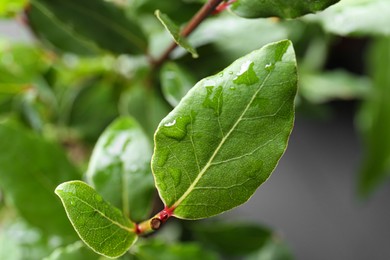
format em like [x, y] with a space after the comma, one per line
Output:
[310, 199]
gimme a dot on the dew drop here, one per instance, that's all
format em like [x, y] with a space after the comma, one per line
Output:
[221, 74]
[269, 67]
[162, 157]
[232, 88]
[214, 99]
[72, 202]
[170, 123]
[230, 72]
[176, 176]
[246, 75]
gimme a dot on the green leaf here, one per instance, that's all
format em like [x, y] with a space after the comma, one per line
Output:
[279, 8]
[327, 86]
[175, 82]
[30, 169]
[232, 238]
[11, 8]
[75, 251]
[272, 250]
[356, 17]
[227, 134]
[119, 168]
[375, 122]
[85, 27]
[155, 249]
[174, 30]
[99, 224]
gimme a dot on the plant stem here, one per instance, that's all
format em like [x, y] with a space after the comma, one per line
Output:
[197, 19]
[154, 223]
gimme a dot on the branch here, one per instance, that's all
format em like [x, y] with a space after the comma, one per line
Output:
[197, 19]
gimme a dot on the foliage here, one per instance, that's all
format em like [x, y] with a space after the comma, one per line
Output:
[103, 84]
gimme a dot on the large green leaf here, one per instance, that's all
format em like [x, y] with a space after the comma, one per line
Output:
[280, 8]
[30, 169]
[232, 238]
[227, 134]
[356, 17]
[375, 122]
[120, 168]
[86, 26]
[99, 224]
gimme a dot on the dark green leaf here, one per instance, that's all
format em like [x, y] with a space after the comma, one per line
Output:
[86, 26]
[376, 122]
[120, 168]
[30, 169]
[232, 238]
[356, 17]
[175, 82]
[99, 224]
[174, 30]
[227, 134]
[279, 8]
[154, 249]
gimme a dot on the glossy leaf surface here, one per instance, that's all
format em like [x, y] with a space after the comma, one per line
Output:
[375, 122]
[174, 30]
[232, 238]
[356, 17]
[43, 166]
[85, 27]
[175, 82]
[279, 8]
[227, 134]
[119, 168]
[99, 224]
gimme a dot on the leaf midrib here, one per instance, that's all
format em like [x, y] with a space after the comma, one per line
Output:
[209, 163]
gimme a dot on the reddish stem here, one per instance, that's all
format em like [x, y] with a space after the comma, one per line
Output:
[197, 19]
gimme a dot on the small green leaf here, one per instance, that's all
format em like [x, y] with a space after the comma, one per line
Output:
[227, 134]
[75, 251]
[356, 17]
[99, 224]
[375, 123]
[86, 27]
[30, 169]
[338, 84]
[119, 168]
[174, 30]
[279, 8]
[155, 249]
[175, 82]
[232, 238]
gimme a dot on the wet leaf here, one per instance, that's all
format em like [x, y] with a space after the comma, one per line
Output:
[99, 224]
[279, 8]
[119, 168]
[227, 134]
[174, 30]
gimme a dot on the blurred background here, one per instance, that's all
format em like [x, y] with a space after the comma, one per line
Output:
[65, 78]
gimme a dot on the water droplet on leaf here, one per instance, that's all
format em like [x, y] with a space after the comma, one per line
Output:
[176, 176]
[170, 123]
[214, 99]
[269, 67]
[178, 129]
[247, 75]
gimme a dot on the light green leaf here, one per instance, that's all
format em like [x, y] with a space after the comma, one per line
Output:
[175, 82]
[375, 122]
[99, 224]
[356, 17]
[174, 30]
[11, 8]
[232, 238]
[279, 8]
[155, 249]
[30, 169]
[75, 251]
[227, 134]
[326, 86]
[85, 27]
[119, 168]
